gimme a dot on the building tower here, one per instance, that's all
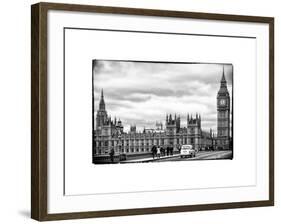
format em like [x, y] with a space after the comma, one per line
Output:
[223, 115]
[194, 131]
[172, 129]
[101, 117]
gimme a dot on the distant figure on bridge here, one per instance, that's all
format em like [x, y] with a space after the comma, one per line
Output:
[162, 150]
[165, 151]
[168, 150]
[154, 151]
[111, 155]
[158, 152]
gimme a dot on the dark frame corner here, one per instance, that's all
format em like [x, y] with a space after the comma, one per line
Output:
[39, 110]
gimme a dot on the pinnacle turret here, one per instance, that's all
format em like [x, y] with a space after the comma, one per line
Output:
[223, 86]
[223, 80]
[102, 103]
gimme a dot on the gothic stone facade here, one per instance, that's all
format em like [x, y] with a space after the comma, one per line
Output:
[109, 133]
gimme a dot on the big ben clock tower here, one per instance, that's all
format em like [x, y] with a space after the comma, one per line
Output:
[223, 113]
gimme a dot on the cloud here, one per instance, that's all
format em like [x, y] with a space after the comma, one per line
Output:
[142, 93]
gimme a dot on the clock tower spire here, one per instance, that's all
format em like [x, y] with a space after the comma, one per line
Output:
[101, 113]
[223, 115]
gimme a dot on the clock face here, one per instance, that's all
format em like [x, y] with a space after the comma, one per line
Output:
[222, 102]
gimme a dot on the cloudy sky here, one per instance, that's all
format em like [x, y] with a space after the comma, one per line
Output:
[142, 93]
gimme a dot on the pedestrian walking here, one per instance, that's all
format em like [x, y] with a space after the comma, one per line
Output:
[154, 151]
[162, 150]
[111, 155]
[158, 152]
[167, 150]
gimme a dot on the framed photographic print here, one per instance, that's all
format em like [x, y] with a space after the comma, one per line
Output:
[140, 111]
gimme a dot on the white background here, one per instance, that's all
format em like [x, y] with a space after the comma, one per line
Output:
[84, 45]
[15, 113]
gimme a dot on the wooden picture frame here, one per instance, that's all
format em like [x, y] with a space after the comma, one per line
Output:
[39, 110]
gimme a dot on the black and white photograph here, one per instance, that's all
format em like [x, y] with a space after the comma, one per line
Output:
[161, 111]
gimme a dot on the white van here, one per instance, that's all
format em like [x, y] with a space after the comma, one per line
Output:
[187, 151]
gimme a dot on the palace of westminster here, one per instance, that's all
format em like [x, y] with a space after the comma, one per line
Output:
[109, 134]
